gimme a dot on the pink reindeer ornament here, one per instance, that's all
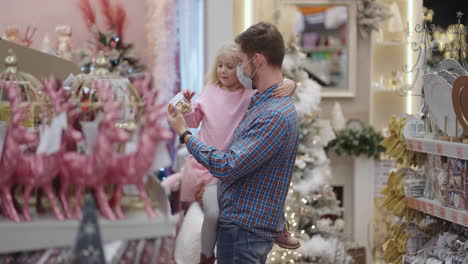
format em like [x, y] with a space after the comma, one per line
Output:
[70, 137]
[39, 169]
[132, 168]
[63, 106]
[16, 135]
[89, 170]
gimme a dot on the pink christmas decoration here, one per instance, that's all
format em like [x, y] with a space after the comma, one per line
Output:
[70, 136]
[88, 13]
[63, 104]
[89, 170]
[38, 170]
[16, 135]
[132, 168]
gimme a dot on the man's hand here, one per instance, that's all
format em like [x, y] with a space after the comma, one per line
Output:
[176, 119]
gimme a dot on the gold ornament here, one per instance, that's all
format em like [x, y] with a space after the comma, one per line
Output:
[29, 90]
[123, 91]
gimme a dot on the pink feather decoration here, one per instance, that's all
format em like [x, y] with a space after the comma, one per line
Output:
[108, 13]
[119, 21]
[88, 13]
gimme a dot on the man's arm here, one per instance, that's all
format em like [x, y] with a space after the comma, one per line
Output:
[262, 140]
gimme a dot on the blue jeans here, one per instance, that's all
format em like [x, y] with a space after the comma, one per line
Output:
[239, 246]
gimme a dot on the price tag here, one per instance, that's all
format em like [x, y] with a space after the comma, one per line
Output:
[410, 144]
[430, 209]
[454, 216]
[411, 202]
[459, 152]
[418, 205]
[422, 206]
[420, 148]
[465, 220]
[440, 149]
[442, 212]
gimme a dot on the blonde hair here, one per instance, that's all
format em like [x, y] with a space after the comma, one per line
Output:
[229, 49]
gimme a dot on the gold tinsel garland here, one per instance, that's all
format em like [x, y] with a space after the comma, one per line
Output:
[396, 147]
[395, 201]
[395, 248]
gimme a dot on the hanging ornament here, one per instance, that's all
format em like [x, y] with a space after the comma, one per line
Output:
[338, 119]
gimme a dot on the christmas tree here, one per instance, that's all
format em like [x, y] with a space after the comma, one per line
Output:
[110, 40]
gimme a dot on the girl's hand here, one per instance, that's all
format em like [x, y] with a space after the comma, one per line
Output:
[188, 95]
[285, 88]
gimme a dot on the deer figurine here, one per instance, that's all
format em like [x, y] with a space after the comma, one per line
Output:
[38, 170]
[132, 168]
[63, 105]
[16, 135]
[89, 170]
[70, 136]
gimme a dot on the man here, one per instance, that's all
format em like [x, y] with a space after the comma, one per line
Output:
[255, 172]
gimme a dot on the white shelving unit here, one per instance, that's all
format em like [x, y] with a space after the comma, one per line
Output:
[438, 147]
[391, 51]
[47, 232]
[434, 208]
[324, 49]
[442, 148]
[391, 43]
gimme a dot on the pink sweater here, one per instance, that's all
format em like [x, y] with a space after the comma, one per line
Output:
[219, 112]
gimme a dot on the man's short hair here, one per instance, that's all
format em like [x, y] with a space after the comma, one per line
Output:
[263, 38]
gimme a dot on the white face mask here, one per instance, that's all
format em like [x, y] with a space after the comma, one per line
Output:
[244, 79]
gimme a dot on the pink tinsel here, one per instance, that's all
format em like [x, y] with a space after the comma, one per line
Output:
[162, 41]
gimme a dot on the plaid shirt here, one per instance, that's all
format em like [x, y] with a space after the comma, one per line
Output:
[255, 172]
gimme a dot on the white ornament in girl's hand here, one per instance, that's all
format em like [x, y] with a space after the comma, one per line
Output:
[179, 98]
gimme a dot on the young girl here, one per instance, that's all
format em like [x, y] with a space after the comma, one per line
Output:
[220, 108]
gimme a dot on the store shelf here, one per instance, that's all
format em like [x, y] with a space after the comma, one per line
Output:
[324, 49]
[46, 232]
[438, 147]
[434, 208]
[391, 43]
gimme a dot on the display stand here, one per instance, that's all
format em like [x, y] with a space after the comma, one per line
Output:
[47, 232]
[37, 63]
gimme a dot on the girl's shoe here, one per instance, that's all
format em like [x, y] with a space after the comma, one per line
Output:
[285, 240]
[205, 260]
